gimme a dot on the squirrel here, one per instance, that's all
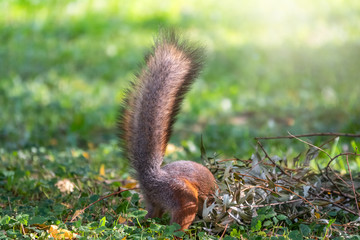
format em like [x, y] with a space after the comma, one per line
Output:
[149, 111]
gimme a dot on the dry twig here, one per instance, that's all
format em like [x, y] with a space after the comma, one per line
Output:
[311, 135]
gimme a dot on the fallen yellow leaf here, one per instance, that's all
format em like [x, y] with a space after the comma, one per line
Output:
[86, 155]
[102, 170]
[57, 233]
[130, 185]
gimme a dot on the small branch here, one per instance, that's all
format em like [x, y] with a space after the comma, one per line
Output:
[337, 192]
[328, 141]
[353, 187]
[312, 145]
[328, 167]
[338, 205]
[310, 135]
[222, 235]
[329, 178]
[268, 157]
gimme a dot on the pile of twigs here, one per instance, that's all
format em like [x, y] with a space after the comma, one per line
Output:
[290, 186]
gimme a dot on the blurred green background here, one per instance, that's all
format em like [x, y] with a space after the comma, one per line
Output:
[273, 66]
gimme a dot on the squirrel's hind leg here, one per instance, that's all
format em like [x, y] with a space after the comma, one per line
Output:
[187, 207]
[185, 216]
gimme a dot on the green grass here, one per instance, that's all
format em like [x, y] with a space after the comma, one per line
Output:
[68, 62]
[272, 67]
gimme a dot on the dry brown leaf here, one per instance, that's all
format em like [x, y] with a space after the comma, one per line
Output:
[76, 214]
[121, 220]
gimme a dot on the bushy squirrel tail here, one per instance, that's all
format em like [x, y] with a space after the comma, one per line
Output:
[154, 99]
[149, 111]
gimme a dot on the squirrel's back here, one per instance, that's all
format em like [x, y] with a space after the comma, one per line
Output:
[149, 112]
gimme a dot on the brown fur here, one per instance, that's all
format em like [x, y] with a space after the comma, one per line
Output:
[149, 112]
